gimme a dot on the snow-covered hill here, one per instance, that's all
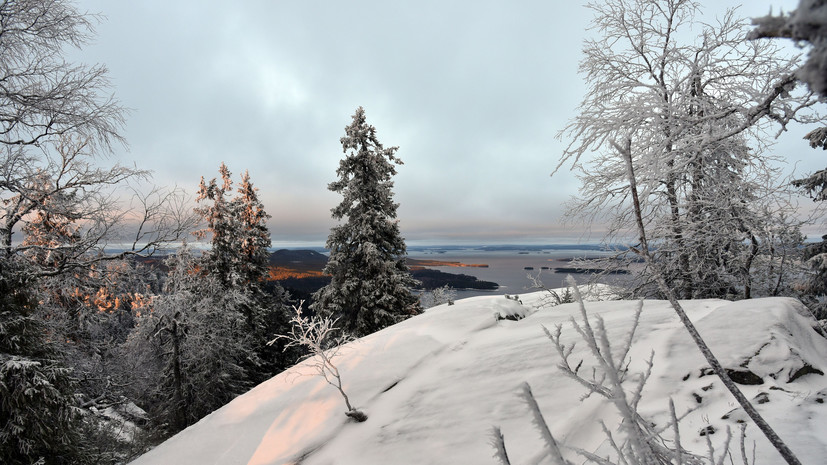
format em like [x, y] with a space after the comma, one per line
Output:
[435, 385]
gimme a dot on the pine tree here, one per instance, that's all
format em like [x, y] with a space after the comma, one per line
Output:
[371, 284]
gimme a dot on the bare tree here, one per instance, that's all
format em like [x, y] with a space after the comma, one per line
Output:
[68, 210]
[58, 122]
[695, 114]
[673, 124]
[322, 340]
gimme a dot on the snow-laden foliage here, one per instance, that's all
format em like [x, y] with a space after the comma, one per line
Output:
[196, 349]
[371, 283]
[238, 259]
[441, 295]
[693, 115]
[236, 228]
[806, 24]
[39, 417]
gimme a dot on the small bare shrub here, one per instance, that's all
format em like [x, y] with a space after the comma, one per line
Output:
[322, 340]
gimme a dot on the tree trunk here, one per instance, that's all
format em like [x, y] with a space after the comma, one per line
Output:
[756, 417]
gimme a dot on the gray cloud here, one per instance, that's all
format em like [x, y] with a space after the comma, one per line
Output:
[472, 92]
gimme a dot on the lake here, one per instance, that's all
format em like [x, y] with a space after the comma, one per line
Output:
[507, 266]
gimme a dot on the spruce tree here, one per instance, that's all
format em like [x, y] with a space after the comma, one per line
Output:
[239, 237]
[371, 284]
[239, 261]
[39, 416]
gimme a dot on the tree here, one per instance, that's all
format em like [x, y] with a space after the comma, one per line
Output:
[644, 251]
[694, 117]
[38, 414]
[58, 121]
[238, 260]
[805, 24]
[237, 228]
[808, 24]
[662, 115]
[370, 284]
[195, 345]
[322, 341]
[438, 296]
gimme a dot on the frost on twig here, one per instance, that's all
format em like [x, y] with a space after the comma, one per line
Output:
[637, 440]
[552, 448]
[322, 340]
[551, 297]
[498, 441]
[642, 443]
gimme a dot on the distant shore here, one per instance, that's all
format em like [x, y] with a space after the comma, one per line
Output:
[418, 263]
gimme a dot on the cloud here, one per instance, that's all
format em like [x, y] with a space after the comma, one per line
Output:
[472, 93]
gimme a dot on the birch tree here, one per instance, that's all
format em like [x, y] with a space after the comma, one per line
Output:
[664, 118]
[58, 123]
[694, 103]
[59, 206]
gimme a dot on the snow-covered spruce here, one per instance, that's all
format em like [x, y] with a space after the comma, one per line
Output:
[370, 284]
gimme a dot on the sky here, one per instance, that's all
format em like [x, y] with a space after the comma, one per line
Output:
[472, 93]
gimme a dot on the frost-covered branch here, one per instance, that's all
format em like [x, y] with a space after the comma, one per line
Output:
[322, 340]
[644, 251]
[640, 442]
[697, 116]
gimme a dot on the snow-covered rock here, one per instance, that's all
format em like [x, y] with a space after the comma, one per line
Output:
[433, 387]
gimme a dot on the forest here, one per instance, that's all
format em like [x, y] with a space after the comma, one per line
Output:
[110, 344]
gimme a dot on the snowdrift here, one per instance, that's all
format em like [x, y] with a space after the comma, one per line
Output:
[435, 385]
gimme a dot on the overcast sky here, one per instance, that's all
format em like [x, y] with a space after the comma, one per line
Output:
[472, 92]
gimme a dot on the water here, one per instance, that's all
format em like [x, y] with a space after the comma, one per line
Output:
[507, 267]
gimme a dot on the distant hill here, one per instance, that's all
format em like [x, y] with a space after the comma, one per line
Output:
[302, 262]
[432, 279]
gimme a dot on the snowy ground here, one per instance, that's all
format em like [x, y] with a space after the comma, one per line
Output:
[435, 385]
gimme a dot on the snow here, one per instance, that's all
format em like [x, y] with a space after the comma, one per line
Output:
[435, 385]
